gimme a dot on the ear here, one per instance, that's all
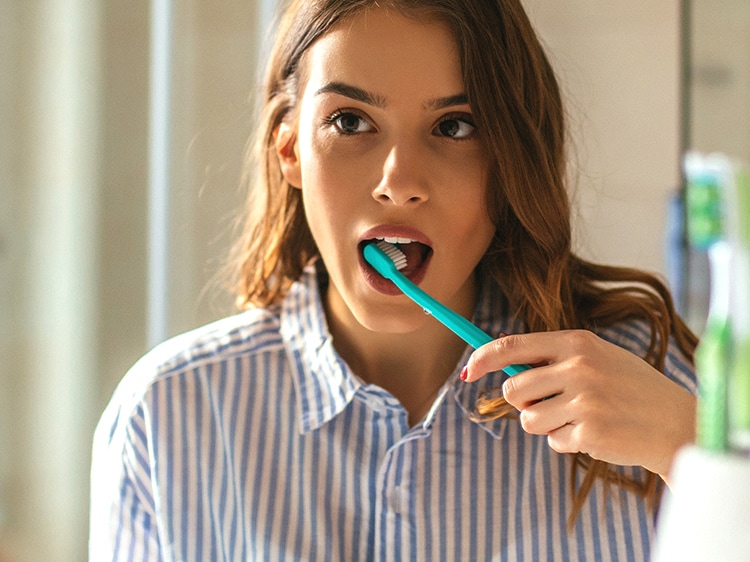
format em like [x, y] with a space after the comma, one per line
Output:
[288, 154]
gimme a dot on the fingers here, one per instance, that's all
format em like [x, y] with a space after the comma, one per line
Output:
[531, 387]
[564, 439]
[566, 432]
[533, 349]
[494, 356]
[588, 395]
[554, 416]
[545, 416]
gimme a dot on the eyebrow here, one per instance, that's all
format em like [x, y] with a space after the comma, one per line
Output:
[352, 92]
[446, 102]
[376, 100]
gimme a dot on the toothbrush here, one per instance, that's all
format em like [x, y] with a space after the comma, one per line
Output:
[387, 259]
[718, 193]
[706, 209]
[739, 405]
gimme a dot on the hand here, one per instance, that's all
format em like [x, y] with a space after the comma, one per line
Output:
[591, 396]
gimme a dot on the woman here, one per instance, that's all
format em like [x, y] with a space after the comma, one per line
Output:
[330, 421]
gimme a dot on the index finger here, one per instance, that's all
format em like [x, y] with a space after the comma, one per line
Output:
[512, 354]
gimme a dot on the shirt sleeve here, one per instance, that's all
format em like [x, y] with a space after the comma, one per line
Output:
[680, 369]
[123, 522]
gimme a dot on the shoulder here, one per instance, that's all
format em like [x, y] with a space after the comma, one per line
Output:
[633, 335]
[247, 333]
[189, 359]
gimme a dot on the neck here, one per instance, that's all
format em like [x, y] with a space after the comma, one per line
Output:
[411, 366]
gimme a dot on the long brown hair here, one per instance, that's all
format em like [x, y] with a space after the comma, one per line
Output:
[517, 106]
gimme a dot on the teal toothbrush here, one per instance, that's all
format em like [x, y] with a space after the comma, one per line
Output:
[387, 259]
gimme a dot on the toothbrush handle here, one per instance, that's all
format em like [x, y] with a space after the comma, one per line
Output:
[459, 325]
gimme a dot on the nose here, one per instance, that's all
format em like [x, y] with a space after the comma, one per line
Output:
[404, 180]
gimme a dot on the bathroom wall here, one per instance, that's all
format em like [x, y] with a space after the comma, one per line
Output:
[620, 67]
[73, 227]
[719, 103]
[718, 106]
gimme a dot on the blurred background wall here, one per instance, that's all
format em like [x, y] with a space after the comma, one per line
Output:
[74, 162]
[74, 193]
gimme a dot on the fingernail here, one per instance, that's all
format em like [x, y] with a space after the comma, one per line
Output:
[464, 373]
[501, 335]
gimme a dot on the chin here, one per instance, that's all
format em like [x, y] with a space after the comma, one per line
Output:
[401, 321]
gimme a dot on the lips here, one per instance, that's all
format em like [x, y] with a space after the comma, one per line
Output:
[416, 253]
[414, 244]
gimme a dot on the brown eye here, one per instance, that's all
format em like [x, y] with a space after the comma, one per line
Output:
[455, 128]
[350, 123]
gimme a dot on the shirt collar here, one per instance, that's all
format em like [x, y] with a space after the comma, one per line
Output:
[324, 383]
[492, 316]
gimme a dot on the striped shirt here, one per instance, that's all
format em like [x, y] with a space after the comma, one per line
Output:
[251, 439]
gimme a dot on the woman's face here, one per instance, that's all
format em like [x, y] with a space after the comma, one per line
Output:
[384, 146]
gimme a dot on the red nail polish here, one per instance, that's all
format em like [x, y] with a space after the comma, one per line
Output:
[464, 374]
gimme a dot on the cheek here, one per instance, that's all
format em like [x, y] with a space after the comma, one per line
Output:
[333, 182]
[470, 211]
[329, 201]
[468, 198]
[323, 166]
[325, 190]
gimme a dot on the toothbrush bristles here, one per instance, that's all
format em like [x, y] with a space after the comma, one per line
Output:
[396, 256]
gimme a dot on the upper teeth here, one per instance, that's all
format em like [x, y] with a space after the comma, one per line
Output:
[396, 239]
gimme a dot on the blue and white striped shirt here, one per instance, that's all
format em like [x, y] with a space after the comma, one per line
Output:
[250, 439]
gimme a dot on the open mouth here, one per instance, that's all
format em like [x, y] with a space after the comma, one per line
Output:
[417, 254]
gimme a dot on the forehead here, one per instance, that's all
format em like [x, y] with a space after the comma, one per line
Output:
[383, 50]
